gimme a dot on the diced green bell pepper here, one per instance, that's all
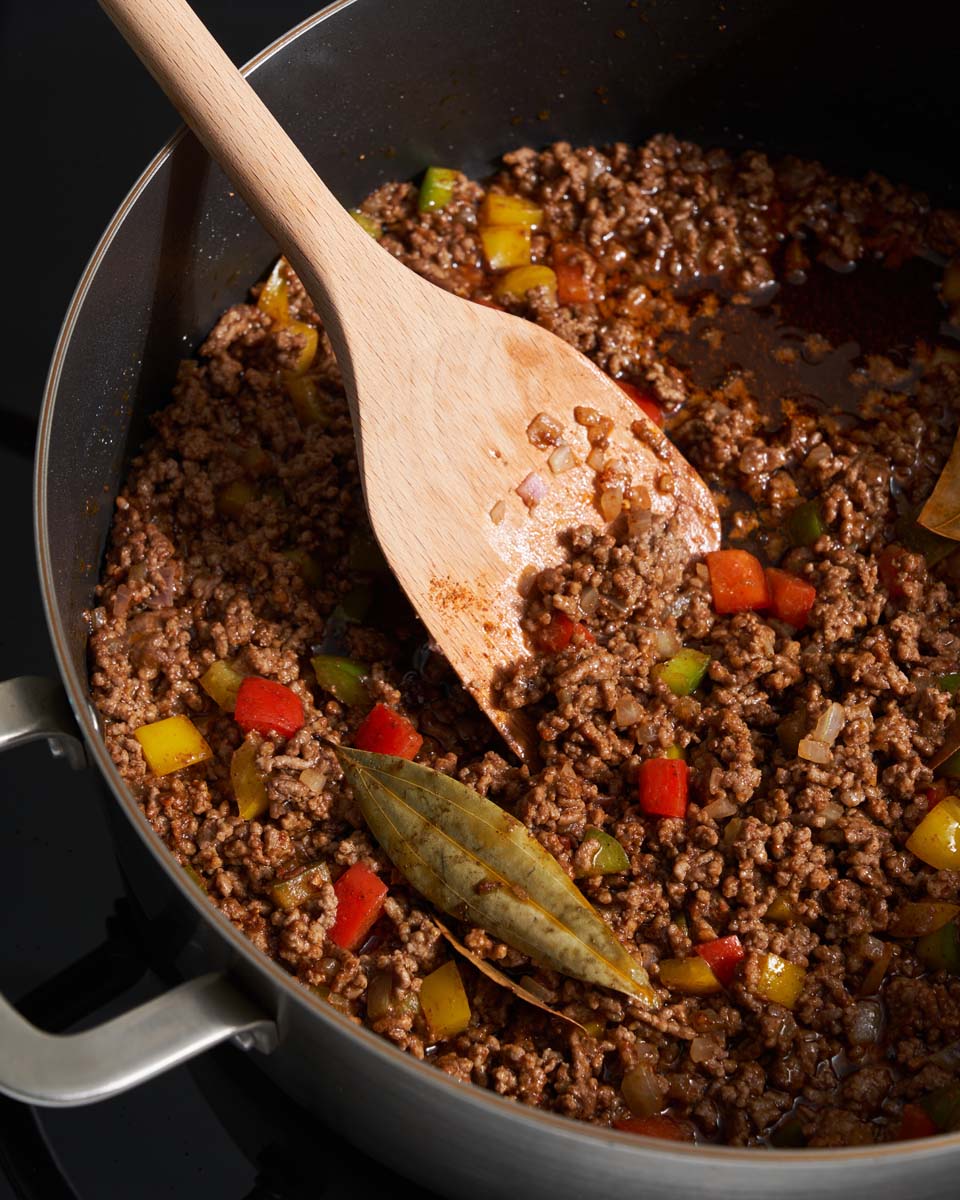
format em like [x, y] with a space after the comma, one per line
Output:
[789, 1135]
[343, 677]
[609, 856]
[436, 190]
[949, 683]
[363, 554]
[940, 950]
[805, 524]
[683, 673]
[301, 887]
[310, 570]
[368, 224]
[355, 605]
[951, 768]
[943, 1107]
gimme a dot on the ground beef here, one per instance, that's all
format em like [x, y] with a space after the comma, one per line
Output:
[720, 286]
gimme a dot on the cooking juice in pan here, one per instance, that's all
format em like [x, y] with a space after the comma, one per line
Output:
[745, 762]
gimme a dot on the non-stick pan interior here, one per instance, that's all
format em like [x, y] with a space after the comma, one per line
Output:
[378, 90]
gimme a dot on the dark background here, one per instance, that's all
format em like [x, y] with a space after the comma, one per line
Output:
[81, 119]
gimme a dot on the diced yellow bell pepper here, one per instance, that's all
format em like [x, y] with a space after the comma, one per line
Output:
[675, 752]
[779, 981]
[950, 286]
[221, 683]
[506, 246]
[444, 1002]
[516, 283]
[498, 209]
[291, 893]
[172, 744]
[692, 976]
[936, 840]
[234, 498]
[256, 461]
[248, 786]
[917, 918]
[310, 342]
[307, 402]
[782, 910]
[274, 298]
[367, 223]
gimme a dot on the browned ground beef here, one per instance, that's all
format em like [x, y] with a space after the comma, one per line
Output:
[682, 247]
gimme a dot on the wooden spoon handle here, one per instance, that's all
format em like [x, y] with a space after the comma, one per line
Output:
[326, 247]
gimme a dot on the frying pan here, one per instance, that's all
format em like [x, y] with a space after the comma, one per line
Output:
[374, 90]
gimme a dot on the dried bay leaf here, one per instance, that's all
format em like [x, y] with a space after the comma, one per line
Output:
[941, 513]
[487, 968]
[478, 863]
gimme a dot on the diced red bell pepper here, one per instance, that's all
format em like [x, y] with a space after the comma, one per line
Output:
[915, 1123]
[722, 956]
[657, 1127]
[791, 599]
[642, 400]
[573, 287]
[737, 581]
[268, 707]
[556, 636]
[663, 787]
[360, 896]
[383, 731]
[889, 566]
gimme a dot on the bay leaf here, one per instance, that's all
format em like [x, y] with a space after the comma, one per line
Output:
[473, 860]
[485, 967]
[941, 513]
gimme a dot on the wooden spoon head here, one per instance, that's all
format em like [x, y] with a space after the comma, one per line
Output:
[443, 448]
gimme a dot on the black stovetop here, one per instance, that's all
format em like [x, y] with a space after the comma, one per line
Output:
[82, 119]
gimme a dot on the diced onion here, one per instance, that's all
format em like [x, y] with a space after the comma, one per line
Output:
[589, 599]
[819, 454]
[315, 780]
[702, 1049]
[641, 1090]
[596, 458]
[380, 995]
[813, 751]
[667, 643]
[719, 810]
[948, 1057]
[628, 710]
[533, 489]
[867, 1023]
[585, 416]
[562, 459]
[638, 521]
[544, 431]
[611, 503]
[498, 512]
[831, 813]
[830, 724]
[535, 988]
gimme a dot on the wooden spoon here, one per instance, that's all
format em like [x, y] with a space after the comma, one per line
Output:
[442, 391]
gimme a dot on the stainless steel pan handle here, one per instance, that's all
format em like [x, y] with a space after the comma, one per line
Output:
[80, 1068]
